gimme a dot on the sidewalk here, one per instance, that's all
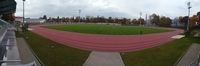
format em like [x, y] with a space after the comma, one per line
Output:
[26, 54]
[104, 59]
[190, 56]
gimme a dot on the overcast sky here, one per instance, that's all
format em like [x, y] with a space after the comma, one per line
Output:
[114, 8]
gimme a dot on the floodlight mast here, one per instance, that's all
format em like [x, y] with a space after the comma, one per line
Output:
[23, 12]
[140, 18]
[189, 7]
[79, 12]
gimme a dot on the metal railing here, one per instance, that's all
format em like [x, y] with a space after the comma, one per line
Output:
[8, 40]
[3, 29]
[196, 61]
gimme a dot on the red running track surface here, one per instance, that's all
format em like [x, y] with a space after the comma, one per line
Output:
[109, 43]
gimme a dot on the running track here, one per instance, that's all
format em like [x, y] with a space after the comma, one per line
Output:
[109, 43]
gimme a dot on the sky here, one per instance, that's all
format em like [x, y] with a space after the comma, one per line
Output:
[113, 8]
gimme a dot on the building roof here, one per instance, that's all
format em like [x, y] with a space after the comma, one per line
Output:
[34, 20]
[19, 17]
[7, 6]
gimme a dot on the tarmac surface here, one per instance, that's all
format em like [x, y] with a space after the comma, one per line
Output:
[26, 54]
[191, 57]
[108, 43]
[97, 58]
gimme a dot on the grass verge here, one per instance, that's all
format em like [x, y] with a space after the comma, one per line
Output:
[107, 30]
[54, 54]
[197, 30]
[164, 55]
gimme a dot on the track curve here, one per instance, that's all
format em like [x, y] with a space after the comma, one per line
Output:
[109, 43]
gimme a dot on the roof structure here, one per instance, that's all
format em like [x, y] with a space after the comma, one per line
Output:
[7, 6]
[32, 20]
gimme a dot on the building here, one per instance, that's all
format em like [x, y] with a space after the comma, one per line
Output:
[19, 19]
[34, 21]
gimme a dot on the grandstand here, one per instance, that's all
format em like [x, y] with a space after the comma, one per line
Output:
[9, 53]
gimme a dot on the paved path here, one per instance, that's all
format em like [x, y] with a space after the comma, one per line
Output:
[11, 56]
[190, 56]
[111, 43]
[104, 59]
[26, 54]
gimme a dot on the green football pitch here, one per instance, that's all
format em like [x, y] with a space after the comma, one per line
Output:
[108, 30]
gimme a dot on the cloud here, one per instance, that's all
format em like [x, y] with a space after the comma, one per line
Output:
[114, 8]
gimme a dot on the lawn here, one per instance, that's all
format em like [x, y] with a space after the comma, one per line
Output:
[164, 55]
[197, 30]
[106, 29]
[54, 54]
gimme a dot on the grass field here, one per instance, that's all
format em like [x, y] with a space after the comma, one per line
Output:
[197, 30]
[54, 54]
[108, 30]
[164, 55]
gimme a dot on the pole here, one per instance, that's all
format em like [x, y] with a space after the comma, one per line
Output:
[189, 7]
[140, 18]
[146, 20]
[79, 12]
[188, 20]
[23, 13]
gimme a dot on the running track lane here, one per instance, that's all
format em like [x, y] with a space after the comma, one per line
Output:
[109, 43]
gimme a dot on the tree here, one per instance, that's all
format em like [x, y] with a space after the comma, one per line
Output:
[135, 21]
[87, 19]
[141, 21]
[181, 19]
[44, 17]
[116, 20]
[185, 20]
[198, 14]
[161, 21]
[58, 19]
[110, 20]
[165, 21]
[155, 19]
[62, 19]
[123, 21]
[49, 19]
[193, 20]
[8, 17]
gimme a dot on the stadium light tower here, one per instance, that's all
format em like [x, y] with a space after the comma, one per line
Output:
[146, 19]
[140, 18]
[189, 7]
[79, 12]
[23, 11]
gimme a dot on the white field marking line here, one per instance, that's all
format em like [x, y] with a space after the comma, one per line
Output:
[4, 57]
[1, 38]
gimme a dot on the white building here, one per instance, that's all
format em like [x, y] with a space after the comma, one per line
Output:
[31, 20]
[20, 19]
